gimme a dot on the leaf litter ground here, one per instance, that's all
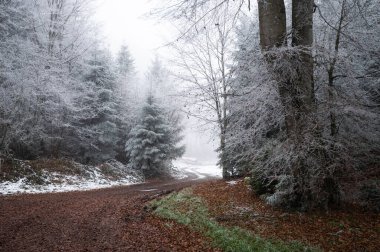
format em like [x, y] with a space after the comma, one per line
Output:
[234, 204]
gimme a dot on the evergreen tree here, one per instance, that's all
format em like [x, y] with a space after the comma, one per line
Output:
[125, 62]
[126, 94]
[153, 143]
[98, 113]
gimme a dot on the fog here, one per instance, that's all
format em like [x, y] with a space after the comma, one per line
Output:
[200, 143]
[125, 22]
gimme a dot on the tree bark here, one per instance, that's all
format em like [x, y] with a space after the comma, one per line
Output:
[299, 93]
[302, 22]
[272, 22]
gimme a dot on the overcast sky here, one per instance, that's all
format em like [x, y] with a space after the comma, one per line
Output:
[123, 22]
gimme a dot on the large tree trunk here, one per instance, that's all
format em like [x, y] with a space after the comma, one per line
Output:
[297, 92]
[302, 22]
[302, 87]
[272, 21]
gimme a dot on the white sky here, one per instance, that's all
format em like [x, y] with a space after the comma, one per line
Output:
[123, 22]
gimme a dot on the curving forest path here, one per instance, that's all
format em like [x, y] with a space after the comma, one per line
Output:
[110, 219]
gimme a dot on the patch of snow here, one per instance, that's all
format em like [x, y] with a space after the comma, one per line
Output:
[70, 183]
[190, 167]
[178, 174]
[67, 183]
[232, 183]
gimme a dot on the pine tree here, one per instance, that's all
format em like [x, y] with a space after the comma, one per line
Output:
[153, 143]
[125, 62]
[98, 113]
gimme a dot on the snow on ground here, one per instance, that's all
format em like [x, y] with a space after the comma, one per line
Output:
[185, 167]
[190, 166]
[72, 184]
[67, 183]
[232, 182]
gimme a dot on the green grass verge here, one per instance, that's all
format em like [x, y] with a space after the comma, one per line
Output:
[190, 210]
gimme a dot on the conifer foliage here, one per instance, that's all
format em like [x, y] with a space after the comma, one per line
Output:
[153, 142]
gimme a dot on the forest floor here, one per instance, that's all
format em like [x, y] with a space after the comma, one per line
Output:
[233, 204]
[117, 219]
[110, 219]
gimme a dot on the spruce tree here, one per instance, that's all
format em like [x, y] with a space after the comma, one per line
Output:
[98, 114]
[153, 143]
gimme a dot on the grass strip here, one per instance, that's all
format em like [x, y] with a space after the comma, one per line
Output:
[190, 210]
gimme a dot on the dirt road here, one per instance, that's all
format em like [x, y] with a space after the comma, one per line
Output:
[102, 220]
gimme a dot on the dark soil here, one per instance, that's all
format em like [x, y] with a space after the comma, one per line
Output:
[115, 219]
[101, 220]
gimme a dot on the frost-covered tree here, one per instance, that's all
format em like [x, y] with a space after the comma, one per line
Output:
[303, 107]
[204, 66]
[347, 72]
[161, 85]
[347, 85]
[257, 140]
[125, 62]
[153, 142]
[98, 108]
[59, 97]
[13, 28]
[126, 93]
[33, 92]
[256, 121]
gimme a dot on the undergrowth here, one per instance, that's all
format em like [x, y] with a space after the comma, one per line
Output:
[190, 210]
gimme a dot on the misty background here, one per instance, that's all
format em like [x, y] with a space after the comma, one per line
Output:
[127, 22]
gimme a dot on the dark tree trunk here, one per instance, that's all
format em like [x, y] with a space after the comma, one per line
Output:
[272, 22]
[297, 93]
[300, 92]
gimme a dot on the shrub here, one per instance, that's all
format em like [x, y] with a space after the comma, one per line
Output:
[370, 195]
